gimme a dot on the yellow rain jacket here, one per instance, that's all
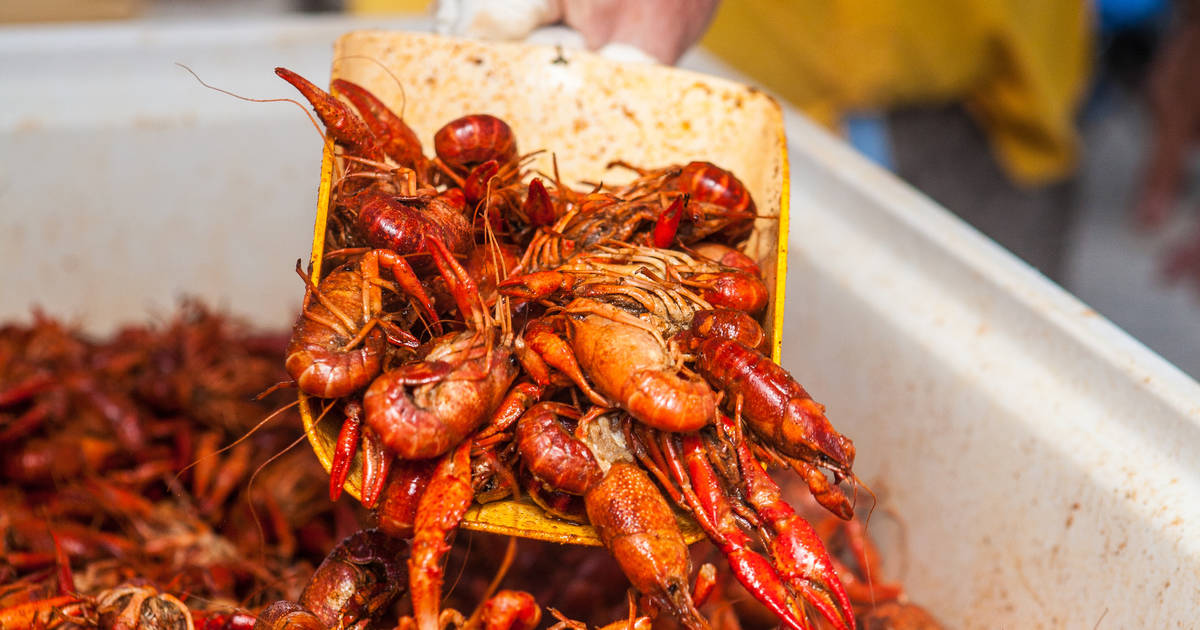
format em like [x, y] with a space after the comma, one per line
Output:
[1020, 66]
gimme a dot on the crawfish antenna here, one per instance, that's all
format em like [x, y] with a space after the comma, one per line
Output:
[293, 101]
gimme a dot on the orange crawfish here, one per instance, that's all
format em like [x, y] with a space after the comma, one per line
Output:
[630, 515]
[457, 383]
[338, 340]
[716, 204]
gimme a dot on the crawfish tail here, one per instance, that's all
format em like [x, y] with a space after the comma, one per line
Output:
[552, 454]
[637, 526]
[775, 406]
[316, 358]
[439, 512]
[474, 139]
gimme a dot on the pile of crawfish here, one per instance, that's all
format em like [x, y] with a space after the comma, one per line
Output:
[483, 331]
[480, 332]
[118, 498]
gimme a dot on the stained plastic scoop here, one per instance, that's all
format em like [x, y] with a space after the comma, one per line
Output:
[588, 111]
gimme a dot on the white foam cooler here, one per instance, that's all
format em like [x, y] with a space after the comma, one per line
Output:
[1041, 465]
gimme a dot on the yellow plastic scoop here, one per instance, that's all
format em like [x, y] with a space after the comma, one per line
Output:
[588, 111]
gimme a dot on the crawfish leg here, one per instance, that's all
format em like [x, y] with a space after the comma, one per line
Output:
[520, 398]
[637, 526]
[538, 207]
[800, 556]
[667, 223]
[407, 279]
[460, 283]
[715, 514]
[439, 512]
[541, 338]
[377, 461]
[343, 452]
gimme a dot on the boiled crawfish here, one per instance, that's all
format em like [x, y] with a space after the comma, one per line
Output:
[632, 299]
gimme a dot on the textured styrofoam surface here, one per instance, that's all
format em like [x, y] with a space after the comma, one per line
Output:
[125, 184]
[1043, 464]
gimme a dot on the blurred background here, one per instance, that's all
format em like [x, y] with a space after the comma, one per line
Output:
[1060, 183]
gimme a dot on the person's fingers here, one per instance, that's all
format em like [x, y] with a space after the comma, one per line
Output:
[1163, 175]
[1183, 261]
[1174, 95]
[594, 19]
[662, 28]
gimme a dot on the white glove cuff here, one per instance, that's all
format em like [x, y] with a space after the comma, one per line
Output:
[488, 19]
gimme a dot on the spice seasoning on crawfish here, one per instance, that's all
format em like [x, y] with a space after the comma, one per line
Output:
[620, 340]
[114, 517]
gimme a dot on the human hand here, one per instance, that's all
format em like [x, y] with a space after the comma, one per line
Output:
[628, 29]
[664, 29]
[1184, 261]
[1174, 95]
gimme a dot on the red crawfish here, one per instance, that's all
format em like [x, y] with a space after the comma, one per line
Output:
[475, 139]
[405, 223]
[338, 340]
[777, 409]
[354, 585]
[338, 344]
[372, 133]
[628, 512]
[392, 209]
[478, 153]
[716, 203]
[424, 408]
[797, 561]
[456, 387]
[427, 501]
[627, 362]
